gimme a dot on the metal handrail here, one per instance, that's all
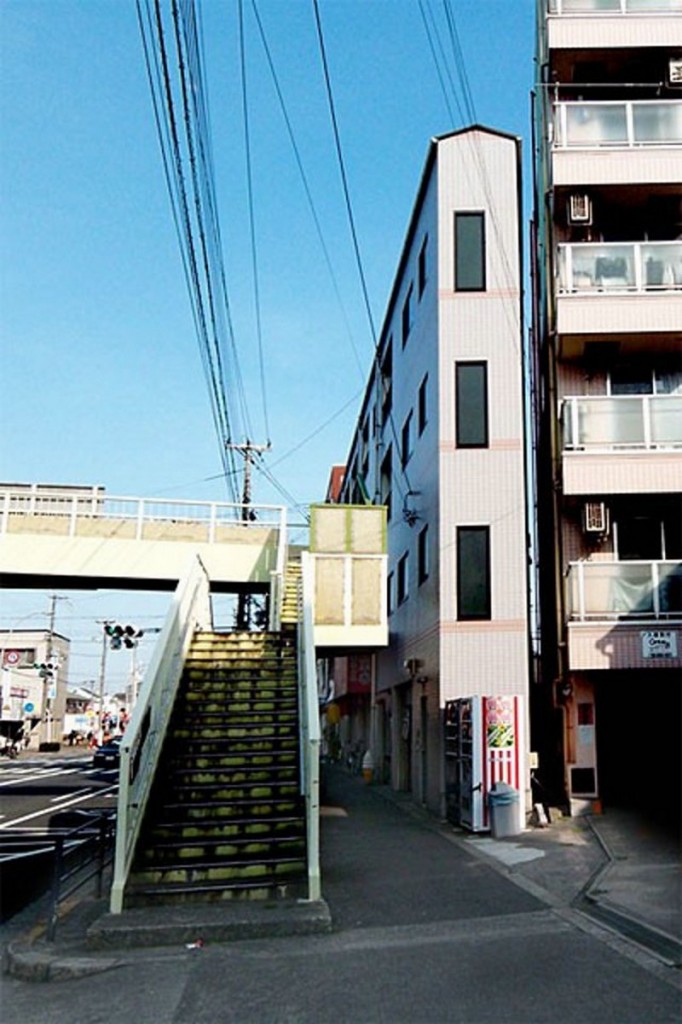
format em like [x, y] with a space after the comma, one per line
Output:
[143, 739]
[309, 725]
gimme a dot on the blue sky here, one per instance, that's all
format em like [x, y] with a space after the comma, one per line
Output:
[102, 378]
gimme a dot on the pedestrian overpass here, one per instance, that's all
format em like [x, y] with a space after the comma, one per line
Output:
[219, 778]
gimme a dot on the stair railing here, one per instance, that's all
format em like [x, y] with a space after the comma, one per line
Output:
[309, 724]
[277, 576]
[190, 610]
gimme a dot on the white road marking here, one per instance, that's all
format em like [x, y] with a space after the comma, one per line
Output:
[47, 810]
[67, 796]
[36, 776]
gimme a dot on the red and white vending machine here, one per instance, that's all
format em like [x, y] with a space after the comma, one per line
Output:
[484, 744]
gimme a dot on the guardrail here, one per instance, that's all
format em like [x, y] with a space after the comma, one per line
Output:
[622, 422]
[141, 745]
[309, 724]
[78, 855]
[79, 507]
[624, 590]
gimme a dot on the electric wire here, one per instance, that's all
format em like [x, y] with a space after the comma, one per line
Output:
[306, 187]
[351, 221]
[252, 220]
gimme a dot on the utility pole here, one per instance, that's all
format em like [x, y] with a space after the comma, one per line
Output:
[50, 677]
[102, 672]
[248, 515]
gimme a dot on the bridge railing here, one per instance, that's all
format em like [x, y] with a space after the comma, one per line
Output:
[80, 508]
[309, 725]
[141, 745]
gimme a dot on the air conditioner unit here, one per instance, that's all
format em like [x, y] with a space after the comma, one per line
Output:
[595, 517]
[579, 209]
[675, 71]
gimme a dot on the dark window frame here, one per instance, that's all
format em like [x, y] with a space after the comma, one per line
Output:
[465, 423]
[406, 440]
[422, 276]
[464, 280]
[407, 317]
[483, 613]
[423, 555]
[422, 409]
[403, 579]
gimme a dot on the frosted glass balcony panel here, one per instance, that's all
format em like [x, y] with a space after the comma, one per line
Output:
[666, 419]
[657, 122]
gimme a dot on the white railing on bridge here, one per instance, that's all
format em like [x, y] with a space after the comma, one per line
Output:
[614, 6]
[617, 422]
[77, 506]
[592, 268]
[598, 124]
[190, 610]
[624, 590]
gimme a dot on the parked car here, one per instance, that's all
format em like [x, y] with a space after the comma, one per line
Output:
[108, 755]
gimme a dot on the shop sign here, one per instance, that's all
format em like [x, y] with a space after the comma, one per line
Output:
[659, 643]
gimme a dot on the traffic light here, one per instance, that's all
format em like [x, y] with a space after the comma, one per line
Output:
[46, 669]
[122, 636]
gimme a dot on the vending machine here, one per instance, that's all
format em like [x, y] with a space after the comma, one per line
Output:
[484, 744]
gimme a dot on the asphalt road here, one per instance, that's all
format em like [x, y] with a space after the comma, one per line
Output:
[423, 933]
[34, 789]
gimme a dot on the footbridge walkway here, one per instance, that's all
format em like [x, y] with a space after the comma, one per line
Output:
[84, 537]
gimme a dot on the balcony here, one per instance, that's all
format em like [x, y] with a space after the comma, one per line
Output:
[624, 615]
[619, 288]
[603, 590]
[622, 444]
[617, 142]
[584, 24]
[568, 7]
[622, 422]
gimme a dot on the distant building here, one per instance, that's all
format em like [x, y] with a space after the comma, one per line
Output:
[440, 442]
[608, 400]
[35, 666]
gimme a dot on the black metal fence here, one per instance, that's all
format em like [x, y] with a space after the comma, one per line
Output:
[59, 863]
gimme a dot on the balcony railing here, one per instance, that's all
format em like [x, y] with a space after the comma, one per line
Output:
[617, 123]
[622, 422]
[614, 6]
[624, 590]
[598, 267]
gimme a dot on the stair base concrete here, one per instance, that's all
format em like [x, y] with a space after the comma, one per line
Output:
[181, 925]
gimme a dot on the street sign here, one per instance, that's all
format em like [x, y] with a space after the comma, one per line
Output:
[12, 658]
[29, 707]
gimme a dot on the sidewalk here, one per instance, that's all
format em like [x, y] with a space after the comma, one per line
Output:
[387, 862]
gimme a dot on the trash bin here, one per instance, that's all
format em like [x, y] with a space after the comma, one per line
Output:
[503, 801]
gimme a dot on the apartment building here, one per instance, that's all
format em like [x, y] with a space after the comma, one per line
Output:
[439, 441]
[608, 399]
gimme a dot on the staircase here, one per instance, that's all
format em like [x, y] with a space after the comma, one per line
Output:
[225, 818]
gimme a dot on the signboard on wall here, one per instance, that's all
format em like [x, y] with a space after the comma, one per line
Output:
[659, 643]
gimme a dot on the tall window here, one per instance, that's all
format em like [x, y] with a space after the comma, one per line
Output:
[406, 441]
[422, 268]
[471, 405]
[470, 252]
[387, 382]
[422, 411]
[423, 555]
[407, 315]
[385, 476]
[473, 572]
[389, 594]
[403, 580]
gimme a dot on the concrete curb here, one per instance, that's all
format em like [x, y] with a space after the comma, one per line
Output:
[37, 963]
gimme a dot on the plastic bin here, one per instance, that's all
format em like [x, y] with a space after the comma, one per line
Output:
[503, 801]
